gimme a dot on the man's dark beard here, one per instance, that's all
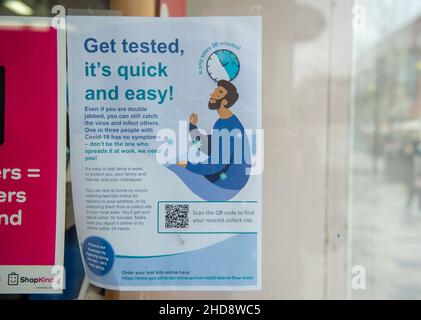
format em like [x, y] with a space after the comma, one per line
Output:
[215, 105]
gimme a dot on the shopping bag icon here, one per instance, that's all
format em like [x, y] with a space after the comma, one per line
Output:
[13, 279]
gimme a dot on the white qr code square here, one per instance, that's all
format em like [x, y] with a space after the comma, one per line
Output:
[176, 216]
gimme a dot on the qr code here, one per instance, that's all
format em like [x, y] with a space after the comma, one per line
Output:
[176, 216]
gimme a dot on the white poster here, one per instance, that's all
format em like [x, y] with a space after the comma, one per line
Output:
[166, 151]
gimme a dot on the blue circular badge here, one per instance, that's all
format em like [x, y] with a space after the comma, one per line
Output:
[98, 255]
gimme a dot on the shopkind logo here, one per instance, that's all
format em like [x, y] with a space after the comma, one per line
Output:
[14, 279]
[36, 280]
[55, 281]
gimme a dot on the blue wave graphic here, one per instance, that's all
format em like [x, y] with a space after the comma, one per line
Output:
[232, 262]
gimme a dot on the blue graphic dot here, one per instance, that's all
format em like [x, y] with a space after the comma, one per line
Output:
[98, 255]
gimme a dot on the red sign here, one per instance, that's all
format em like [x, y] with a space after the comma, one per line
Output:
[31, 143]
